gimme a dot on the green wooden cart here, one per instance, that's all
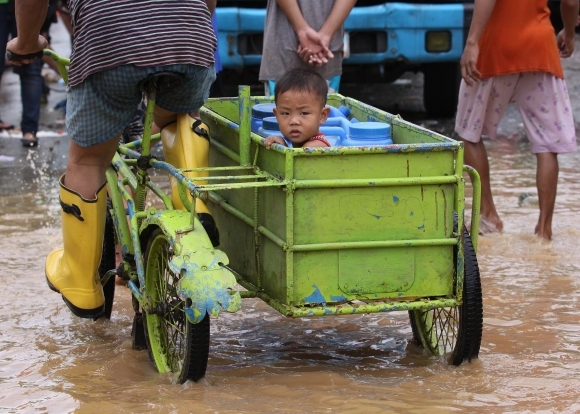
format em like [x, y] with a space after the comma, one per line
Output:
[346, 230]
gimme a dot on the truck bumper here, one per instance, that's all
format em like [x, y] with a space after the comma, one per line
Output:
[391, 32]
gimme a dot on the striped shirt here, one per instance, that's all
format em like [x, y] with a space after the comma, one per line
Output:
[146, 33]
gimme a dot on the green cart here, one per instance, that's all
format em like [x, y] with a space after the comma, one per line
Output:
[347, 230]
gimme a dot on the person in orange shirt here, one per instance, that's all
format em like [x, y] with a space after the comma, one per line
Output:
[513, 55]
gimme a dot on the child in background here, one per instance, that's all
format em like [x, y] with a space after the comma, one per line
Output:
[300, 109]
[303, 34]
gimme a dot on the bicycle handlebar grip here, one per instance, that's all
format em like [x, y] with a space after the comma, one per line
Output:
[14, 56]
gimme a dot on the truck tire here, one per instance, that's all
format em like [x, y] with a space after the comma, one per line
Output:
[441, 88]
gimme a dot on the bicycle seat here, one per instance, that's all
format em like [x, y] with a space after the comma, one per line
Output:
[161, 81]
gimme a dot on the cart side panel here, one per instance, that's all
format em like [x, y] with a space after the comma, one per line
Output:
[374, 165]
[338, 215]
[372, 274]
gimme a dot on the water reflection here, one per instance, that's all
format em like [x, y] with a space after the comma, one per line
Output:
[260, 361]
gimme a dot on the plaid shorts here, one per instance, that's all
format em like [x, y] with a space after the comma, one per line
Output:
[100, 107]
[543, 102]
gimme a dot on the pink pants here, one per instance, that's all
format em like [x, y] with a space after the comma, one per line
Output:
[543, 102]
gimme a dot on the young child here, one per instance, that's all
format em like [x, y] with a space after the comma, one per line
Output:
[300, 109]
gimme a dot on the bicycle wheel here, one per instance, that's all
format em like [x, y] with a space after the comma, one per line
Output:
[108, 262]
[454, 331]
[174, 344]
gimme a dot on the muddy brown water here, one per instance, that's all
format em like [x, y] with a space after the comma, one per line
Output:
[261, 361]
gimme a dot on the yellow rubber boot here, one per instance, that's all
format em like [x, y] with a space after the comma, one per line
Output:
[183, 148]
[72, 271]
[186, 145]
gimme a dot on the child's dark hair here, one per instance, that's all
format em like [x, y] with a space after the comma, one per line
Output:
[302, 80]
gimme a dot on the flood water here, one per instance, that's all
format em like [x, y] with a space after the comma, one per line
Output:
[261, 361]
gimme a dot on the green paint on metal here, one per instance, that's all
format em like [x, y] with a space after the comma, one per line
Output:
[205, 280]
[378, 219]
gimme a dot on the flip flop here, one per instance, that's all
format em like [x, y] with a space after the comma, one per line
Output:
[5, 125]
[29, 143]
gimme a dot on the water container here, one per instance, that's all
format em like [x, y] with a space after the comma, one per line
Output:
[269, 127]
[333, 134]
[259, 112]
[368, 134]
[340, 112]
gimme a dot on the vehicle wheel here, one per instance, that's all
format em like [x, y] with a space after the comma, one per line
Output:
[174, 343]
[108, 262]
[441, 88]
[456, 331]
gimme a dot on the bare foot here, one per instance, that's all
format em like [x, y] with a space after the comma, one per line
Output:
[488, 225]
[545, 234]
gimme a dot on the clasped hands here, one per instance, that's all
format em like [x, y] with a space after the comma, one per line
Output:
[313, 47]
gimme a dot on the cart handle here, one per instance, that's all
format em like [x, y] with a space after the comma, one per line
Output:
[475, 205]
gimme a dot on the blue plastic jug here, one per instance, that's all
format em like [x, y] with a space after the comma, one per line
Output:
[340, 112]
[259, 112]
[333, 134]
[368, 134]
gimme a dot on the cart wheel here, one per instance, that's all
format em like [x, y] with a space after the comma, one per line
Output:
[174, 343]
[454, 330]
[108, 262]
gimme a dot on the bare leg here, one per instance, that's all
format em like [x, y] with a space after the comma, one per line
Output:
[476, 157]
[85, 170]
[547, 182]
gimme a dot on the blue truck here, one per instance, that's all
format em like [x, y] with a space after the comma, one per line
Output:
[383, 39]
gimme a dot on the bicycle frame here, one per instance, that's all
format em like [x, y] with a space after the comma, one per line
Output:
[193, 254]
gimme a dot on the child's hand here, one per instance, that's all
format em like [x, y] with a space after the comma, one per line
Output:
[272, 139]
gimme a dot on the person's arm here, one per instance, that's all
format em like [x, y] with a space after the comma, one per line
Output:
[482, 10]
[565, 39]
[272, 139]
[30, 15]
[333, 22]
[211, 5]
[310, 40]
[335, 19]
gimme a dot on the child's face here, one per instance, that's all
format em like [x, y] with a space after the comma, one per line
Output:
[299, 115]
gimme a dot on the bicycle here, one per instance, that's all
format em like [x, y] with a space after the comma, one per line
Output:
[176, 276]
[409, 252]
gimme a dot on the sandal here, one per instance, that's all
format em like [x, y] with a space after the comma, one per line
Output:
[27, 141]
[5, 125]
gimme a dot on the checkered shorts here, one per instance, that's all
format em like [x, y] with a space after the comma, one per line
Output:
[100, 107]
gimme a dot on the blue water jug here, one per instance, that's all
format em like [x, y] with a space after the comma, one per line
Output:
[368, 134]
[333, 134]
[269, 127]
[340, 112]
[259, 112]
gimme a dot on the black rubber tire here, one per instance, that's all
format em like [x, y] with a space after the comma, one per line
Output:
[185, 350]
[441, 88]
[108, 262]
[465, 321]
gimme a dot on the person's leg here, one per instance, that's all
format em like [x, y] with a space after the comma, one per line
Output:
[476, 157]
[6, 23]
[546, 111]
[479, 110]
[31, 92]
[547, 183]
[85, 170]
[99, 108]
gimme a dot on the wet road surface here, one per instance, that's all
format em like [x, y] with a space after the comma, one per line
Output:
[260, 361]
